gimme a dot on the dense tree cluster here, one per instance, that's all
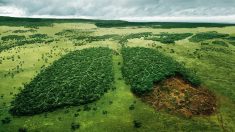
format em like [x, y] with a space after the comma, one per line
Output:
[199, 37]
[37, 22]
[124, 39]
[79, 77]
[165, 38]
[82, 37]
[169, 38]
[25, 31]
[164, 25]
[232, 43]
[39, 36]
[220, 43]
[77, 36]
[210, 48]
[231, 40]
[10, 41]
[13, 37]
[73, 33]
[6, 120]
[143, 66]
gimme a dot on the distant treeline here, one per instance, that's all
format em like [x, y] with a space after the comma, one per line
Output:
[165, 25]
[35, 22]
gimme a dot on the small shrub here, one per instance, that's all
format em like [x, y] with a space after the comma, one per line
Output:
[104, 112]
[75, 126]
[137, 124]
[22, 129]
[6, 120]
[131, 107]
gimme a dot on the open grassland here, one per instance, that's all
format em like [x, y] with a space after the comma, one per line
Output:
[212, 60]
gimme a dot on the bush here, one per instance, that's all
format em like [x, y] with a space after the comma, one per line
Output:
[75, 126]
[22, 130]
[78, 78]
[6, 120]
[137, 124]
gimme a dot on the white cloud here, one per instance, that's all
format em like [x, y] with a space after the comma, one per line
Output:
[11, 11]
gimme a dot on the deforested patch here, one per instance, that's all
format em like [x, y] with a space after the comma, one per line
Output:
[180, 97]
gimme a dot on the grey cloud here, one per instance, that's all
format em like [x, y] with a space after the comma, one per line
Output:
[113, 9]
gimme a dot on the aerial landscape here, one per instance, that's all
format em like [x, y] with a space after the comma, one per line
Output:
[124, 70]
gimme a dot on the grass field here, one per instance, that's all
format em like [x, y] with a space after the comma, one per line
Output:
[119, 109]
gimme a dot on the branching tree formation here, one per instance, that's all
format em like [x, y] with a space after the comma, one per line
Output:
[144, 66]
[79, 77]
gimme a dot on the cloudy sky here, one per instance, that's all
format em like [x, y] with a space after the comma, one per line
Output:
[132, 10]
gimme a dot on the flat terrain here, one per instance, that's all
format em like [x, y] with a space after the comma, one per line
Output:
[118, 109]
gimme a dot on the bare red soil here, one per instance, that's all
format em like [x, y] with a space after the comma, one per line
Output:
[178, 96]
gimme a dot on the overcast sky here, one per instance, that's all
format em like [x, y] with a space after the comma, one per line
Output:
[133, 10]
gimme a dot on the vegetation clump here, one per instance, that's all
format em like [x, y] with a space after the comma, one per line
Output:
[11, 41]
[82, 37]
[25, 31]
[22, 129]
[220, 49]
[220, 43]
[13, 37]
[79, 77]
[199, 37]
[124, 39]
[137, 124]
[6, 120]
[75, 126]
[169, 38]
[143, 66]
[39, 36]
[164, 25]
[232, 43]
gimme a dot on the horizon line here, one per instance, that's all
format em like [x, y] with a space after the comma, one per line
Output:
[181, 19]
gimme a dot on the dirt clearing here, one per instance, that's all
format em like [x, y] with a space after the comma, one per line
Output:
[180, 97]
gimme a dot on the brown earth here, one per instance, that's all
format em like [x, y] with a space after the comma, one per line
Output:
[178, 96]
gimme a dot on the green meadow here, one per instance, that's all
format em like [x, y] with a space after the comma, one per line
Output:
[206, 49]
